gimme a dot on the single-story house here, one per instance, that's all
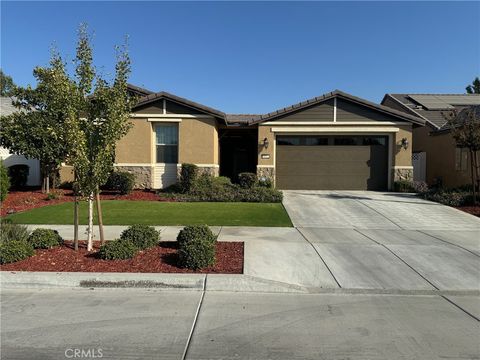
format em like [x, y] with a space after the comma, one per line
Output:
[333, 141]
[9, 159]
[436, 158]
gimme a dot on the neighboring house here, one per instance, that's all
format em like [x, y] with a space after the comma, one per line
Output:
[9, 159]
[436, 158]
[334, 141]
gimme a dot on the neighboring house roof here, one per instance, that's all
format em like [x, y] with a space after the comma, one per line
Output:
[436, 109]
[462, 117]
[339, 94]
[6, 106]
[182, 101]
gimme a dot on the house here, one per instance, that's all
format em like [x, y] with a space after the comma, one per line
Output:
[333, 141]
[9, 159]
[436, 158]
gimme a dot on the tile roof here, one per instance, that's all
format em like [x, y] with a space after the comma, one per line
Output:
[436, 109]
[463, 116]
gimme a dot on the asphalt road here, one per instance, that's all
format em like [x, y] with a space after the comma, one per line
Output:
[141, 324]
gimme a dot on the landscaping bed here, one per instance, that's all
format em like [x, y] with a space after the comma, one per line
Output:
[18, 201]
[473, 210]
[158, 259]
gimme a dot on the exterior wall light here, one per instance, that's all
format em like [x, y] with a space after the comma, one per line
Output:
[265, 143]
[405, 143]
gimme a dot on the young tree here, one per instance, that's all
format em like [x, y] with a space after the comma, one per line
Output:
[102, 121]
[465, 129]
[474, 88]
[37, 129]
[7, 86]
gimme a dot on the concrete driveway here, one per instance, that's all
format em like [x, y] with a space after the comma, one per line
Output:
[365, 240]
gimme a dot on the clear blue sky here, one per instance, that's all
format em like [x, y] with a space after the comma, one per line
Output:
[255, 57]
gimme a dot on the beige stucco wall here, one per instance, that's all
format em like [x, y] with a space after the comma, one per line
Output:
[265, 132]
[135, 147]
[440, 162]
[198, 141]
[401, 156]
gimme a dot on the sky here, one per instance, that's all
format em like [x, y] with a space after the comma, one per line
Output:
[256, 57]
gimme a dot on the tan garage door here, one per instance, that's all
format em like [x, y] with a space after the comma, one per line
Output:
[330, 165]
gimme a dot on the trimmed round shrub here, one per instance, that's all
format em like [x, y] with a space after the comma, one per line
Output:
[18, 175]
[142, 236]
[197, 253]
[11, 231]
[4, 182]
[247, 180]
[15, 250]
[195, 232]
[188, 176]
[120, 181]
[45, 238]
[117, 250]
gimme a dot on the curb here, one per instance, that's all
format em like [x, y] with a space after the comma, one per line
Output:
[156, 281]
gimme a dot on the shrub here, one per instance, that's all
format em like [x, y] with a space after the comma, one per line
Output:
[4, 182]
[260, 195]
[222, 180]
[247, 180]
[120, 181]
[44, 238]
[190, 233]
[420, 187]
[265, 182]
[15, 250]
[142, 236]
[10, 231]
[197, 253]
[448, 197]
[117, 250]
[188, 176]
[52, 196]
[403, 186]
[18, 175]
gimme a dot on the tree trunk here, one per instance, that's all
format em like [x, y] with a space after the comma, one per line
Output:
[477, 177]
[47, 186]
[90, 223]
[100, 218]
[75, 223]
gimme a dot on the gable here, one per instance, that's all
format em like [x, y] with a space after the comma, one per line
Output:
[318, 112]
[348, 111]
[156, 107]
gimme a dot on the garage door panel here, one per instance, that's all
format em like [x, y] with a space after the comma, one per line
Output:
[327, 168]
[331, 167]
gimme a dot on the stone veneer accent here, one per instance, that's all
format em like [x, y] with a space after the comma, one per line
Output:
[402, 174]
[267, 172]
[143, 175]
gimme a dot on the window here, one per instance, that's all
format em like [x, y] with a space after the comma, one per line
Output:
[167, 143]
[461, 159]
[302, 140]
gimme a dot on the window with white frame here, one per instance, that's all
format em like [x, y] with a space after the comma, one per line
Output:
[166, 136]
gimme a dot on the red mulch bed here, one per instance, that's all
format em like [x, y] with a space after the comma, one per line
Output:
[18, 201]
[474, 210]
[159, 259]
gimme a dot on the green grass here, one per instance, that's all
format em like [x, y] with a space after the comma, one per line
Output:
[121, 212]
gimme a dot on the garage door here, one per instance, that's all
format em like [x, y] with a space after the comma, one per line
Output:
[332, 162]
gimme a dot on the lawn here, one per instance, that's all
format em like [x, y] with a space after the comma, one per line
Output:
[122, 212]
